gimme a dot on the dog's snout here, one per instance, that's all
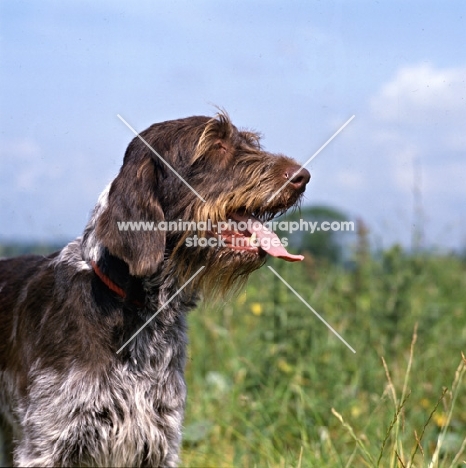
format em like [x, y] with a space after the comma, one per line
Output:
[299, 177]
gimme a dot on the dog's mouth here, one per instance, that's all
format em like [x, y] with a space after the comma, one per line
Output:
[248, 234]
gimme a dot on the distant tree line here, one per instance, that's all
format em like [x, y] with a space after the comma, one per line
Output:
[13, 249]
[330, 245]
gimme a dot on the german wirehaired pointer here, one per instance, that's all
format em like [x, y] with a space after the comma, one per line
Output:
[71, 392]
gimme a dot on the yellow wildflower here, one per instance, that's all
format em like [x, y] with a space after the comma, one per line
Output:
[284, 366]
[440, 419]
[256, 308]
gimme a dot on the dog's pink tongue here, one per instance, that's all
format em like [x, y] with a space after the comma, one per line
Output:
[268, 240]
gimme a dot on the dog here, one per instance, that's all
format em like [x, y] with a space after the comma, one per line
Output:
[93, 337]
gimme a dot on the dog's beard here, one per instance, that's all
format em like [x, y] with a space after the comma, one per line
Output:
[227, 257]
[224, 271]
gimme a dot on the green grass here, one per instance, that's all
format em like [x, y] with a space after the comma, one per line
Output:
[270, 386]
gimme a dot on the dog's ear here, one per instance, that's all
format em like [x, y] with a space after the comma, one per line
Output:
[132, 198]
[216, 141]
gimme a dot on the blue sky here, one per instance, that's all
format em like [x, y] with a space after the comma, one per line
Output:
[295, 71]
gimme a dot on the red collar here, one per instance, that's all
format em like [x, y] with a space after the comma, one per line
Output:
[110, 284]
[107, 281]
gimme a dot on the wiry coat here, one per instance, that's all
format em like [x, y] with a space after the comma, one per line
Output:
[66, 394]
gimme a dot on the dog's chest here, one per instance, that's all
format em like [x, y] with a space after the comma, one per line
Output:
[112, 418]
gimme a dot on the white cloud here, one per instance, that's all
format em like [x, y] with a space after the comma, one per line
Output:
[350, 179]
[419, 116]
[25, 150]
[411, 138]
[422, 94]
[22, 164]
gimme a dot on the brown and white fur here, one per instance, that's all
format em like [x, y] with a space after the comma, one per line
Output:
[67, 397]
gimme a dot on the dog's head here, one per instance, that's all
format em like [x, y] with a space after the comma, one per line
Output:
[189, 177]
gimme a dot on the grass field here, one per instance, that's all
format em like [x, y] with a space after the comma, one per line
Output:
[271, 386]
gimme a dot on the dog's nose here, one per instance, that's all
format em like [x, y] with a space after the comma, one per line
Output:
[299, 177]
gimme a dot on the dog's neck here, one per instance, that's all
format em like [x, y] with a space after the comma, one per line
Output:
[114, 274]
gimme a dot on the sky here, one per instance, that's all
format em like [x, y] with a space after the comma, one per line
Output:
[295, 71]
